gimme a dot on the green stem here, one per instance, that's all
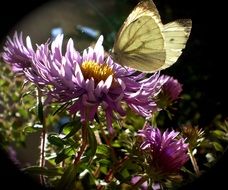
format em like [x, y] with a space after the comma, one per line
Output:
[84, 143]
[194, 163]
[109, 177]
[43, 133]
[140, 182]
[107, 141]
[154, 119]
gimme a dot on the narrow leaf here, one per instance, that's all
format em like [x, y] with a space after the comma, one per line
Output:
[75, 126]
[218, 133]
[40, 112]
[218, 146]
[103, 150]
[51, 172]
[29, 129]
[62, 108]
[55, 140]
[67, 182]
[92, 141]
[65, 153]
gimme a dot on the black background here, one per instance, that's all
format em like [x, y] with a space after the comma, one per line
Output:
[209, 27]
[10, 175]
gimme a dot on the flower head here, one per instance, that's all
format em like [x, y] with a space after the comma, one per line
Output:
[194, 135]
[165, 153]
[88, 81]
[170, 91]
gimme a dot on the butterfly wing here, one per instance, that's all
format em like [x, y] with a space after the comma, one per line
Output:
[176, 35]
[140, 42]
[143, 8]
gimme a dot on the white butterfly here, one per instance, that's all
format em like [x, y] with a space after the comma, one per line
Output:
[145, 44]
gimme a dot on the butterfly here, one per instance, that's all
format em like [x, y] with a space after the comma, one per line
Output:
[145, 44]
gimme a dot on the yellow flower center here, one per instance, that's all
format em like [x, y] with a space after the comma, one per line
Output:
[98, 72]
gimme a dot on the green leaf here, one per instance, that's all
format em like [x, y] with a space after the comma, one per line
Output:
[40, 112]
[124, 173]
[55, 140]
[184, 169]
[131, 165]
[30, 130]
[64, 154]
[218, 147]
[74, 127]
[50, 172]
[23, 113]
[62, 108]
[104, 162]
[104, 170]
[92, 141]
[67, 182]
[218, 133]
[103, 150]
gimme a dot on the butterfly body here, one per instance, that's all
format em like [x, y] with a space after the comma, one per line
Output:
[145, 44]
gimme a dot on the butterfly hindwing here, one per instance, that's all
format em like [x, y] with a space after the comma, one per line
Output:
[176, 35]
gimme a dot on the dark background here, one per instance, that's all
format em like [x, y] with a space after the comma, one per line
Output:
[204, 71]
[10, 175]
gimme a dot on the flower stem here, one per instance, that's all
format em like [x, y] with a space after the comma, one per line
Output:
[139, 182]
[43, 134]
[84, 143]
[109, 177]
[42, 153]
[154, 119]
[194, 163]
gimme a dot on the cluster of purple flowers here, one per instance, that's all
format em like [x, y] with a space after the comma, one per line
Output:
[91, 80]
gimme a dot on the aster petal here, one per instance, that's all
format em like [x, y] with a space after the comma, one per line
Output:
[122, 84]
[107, 84]
[79, 78]
[98, 45]
[71, 54]
[90, 54]
[29, 44]
[99, 50]
[99, 89]
[56, 46]
[90, 90]
[87, 102]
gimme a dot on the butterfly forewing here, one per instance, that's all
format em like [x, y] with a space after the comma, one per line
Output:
[144, 8]
[140, 43]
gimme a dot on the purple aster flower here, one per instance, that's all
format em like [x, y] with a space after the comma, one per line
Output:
[170, 91]
[165, 153]
[88, 81]
[17, 54]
